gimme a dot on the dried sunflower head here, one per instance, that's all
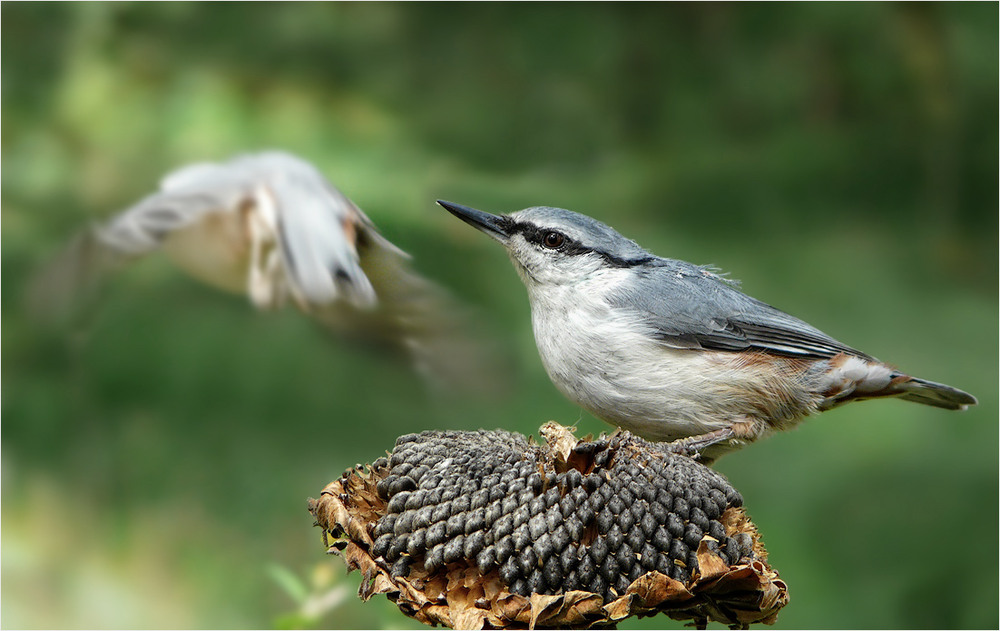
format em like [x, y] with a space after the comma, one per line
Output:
[488, 529]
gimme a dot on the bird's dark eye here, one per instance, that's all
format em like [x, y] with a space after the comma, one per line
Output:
[553, 239]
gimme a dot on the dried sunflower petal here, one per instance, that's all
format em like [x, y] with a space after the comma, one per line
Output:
[487, 529]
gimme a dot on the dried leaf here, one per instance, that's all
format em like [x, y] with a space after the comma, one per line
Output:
[710, 565]
[559, 440]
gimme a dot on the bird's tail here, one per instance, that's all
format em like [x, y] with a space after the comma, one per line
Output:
[937, 394]
[424, 321]
[854, 378]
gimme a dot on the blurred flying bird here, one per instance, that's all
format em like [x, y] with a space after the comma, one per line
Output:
[672, 351]
[270, 226]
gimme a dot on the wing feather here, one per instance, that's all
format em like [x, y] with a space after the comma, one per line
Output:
[691, 307]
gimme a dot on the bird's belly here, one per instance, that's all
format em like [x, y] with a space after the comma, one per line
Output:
[661, 393]
[215, 250]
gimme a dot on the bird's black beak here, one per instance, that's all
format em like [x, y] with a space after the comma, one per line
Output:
[496, 226]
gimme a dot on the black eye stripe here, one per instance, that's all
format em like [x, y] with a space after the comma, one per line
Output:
[536, 235]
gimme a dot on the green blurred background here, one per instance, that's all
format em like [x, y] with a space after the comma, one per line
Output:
[839, 159]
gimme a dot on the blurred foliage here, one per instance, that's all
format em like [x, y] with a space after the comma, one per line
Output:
[840, 159]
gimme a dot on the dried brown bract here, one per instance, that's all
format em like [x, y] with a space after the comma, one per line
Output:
[489, 530]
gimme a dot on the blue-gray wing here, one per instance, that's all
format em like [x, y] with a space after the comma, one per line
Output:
[691, 307]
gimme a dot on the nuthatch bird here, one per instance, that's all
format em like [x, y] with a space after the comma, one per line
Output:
[672, 351]
[270, 226]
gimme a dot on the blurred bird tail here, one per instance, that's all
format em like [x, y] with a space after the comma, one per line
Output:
[425, 323]
[937, 394]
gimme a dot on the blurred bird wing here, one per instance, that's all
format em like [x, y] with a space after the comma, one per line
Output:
[691, 307]
[186, 196]
[69, 282]
[270, 211]
[288, 205]
[318, 229]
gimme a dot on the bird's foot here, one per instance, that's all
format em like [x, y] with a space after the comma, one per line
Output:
[693, 445]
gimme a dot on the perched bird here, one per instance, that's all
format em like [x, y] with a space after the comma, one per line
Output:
[270, 226]
[672, 351]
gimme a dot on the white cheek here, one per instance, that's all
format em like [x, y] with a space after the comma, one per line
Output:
[539, 267]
